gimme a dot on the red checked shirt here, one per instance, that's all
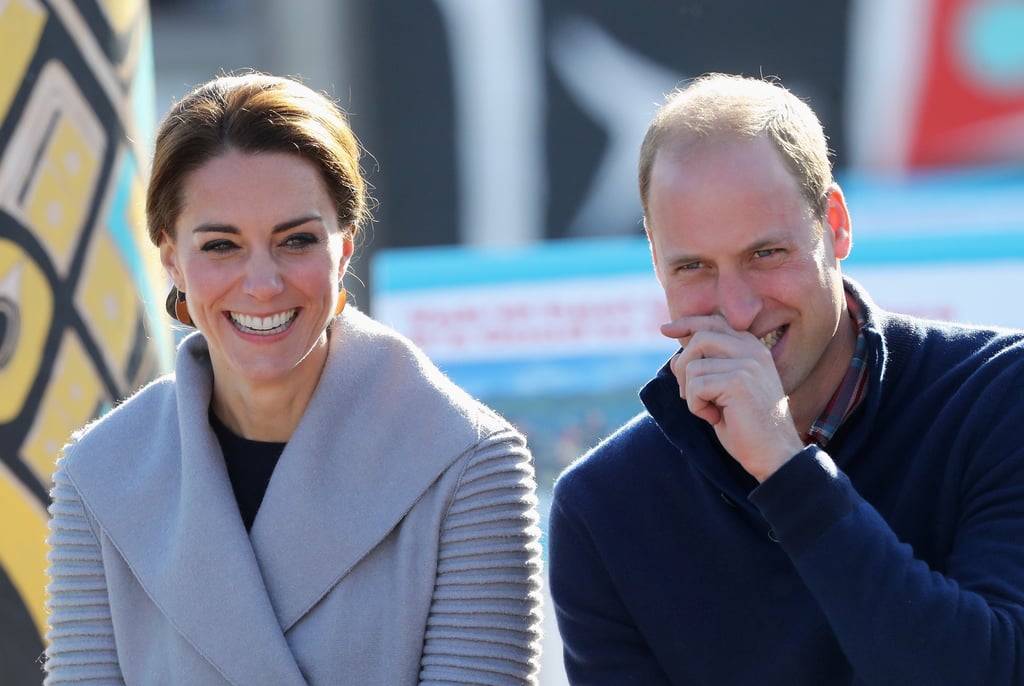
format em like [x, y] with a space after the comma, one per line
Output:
[850, 392]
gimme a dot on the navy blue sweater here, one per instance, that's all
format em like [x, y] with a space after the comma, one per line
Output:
[897, 557]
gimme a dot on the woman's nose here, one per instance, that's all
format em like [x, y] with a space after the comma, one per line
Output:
[263, 276]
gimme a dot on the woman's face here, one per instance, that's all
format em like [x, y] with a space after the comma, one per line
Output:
[258, 251]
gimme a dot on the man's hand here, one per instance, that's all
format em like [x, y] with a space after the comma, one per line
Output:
[728, 378]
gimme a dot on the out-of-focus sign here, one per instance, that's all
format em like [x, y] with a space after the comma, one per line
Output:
[935, 83]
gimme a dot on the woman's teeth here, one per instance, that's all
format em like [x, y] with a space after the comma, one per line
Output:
[769, 340]
[275, 323]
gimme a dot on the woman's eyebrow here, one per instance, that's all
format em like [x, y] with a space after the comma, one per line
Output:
[216, 227]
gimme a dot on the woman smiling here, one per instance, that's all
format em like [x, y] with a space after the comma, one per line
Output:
[306, 499]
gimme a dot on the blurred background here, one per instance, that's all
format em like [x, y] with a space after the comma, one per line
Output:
[501, 140]
[500, 122]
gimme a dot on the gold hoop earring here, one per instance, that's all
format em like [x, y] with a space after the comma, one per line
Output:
[342, 299]
[177, 308]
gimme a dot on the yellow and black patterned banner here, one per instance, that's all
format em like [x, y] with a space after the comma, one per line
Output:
[80, 287]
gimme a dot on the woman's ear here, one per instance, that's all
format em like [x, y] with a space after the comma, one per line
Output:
[348, 246]
[169, 258]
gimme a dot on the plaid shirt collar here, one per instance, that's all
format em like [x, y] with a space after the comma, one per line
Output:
[851, 391]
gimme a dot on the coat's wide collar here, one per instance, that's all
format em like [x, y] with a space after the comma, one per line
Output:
[381, 427]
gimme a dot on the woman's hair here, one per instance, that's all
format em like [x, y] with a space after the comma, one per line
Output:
[255, 113]
[722, 104]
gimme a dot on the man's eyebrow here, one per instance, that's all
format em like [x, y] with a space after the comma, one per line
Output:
[758, 244]
[676, 260]
[762, 243]
[216, 227]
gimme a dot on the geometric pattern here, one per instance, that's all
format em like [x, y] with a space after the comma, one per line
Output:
[81, 319]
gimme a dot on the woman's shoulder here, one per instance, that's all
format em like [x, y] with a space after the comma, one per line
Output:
[129, 423]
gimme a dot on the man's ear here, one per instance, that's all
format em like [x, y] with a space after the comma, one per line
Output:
[837, 222]
[654, 251]
[169, 258]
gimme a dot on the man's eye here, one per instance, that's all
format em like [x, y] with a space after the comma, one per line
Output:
[690, 266]
[766, 252]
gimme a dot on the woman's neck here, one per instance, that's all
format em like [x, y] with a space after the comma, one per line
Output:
[267, 411]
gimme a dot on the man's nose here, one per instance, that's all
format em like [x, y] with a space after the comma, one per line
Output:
[738, 301]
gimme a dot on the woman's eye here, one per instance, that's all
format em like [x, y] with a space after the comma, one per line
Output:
[217, 245]
[300, 240]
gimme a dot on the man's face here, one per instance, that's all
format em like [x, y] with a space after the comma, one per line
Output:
[732, 235]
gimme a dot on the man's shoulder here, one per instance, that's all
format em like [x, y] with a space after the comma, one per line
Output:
[950, 368]
[950, 343]
[910, 337]
[615, 458]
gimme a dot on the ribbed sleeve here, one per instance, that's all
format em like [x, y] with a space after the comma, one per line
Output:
[484, 622]
[81, 637]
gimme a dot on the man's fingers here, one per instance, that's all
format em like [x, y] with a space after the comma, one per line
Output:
[699, 384]
[684, 327]
[722, 345]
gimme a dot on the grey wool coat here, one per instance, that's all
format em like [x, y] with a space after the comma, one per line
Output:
[397, 542]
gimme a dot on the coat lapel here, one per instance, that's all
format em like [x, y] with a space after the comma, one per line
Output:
[382, 426]
[173, 518]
